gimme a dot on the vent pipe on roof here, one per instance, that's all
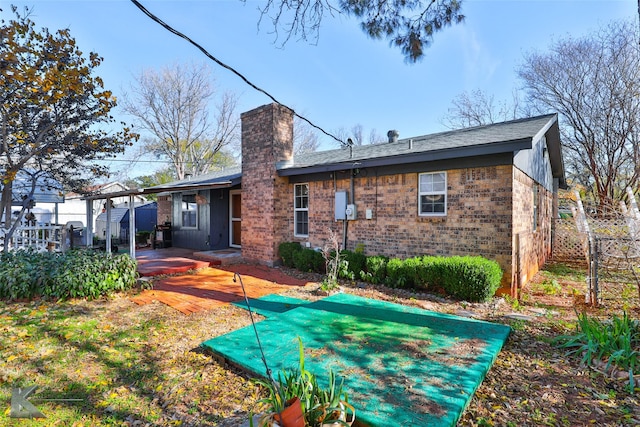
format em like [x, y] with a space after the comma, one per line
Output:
[393, 135]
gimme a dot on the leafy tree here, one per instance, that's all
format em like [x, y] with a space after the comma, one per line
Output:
[161, 176]
[173, 106]
[594, 83]
[408, 24]
[52, 111]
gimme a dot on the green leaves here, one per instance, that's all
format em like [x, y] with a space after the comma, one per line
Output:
[614, 344]
[408, 24]
[74, 274]
[320, 405]
[52, 108]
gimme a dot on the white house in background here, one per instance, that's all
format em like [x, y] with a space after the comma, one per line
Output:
[74, 207]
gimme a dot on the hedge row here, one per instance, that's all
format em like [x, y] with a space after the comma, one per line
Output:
[73, 274]
[468, 278]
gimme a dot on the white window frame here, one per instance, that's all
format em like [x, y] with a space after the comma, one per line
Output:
[183, 211]
[297, 209]
[432, 192]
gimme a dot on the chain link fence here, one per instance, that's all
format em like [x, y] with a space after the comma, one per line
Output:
[608, 245]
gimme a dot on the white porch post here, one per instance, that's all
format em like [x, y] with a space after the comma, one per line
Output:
[132, 226]
[108, 228]
[89, 232]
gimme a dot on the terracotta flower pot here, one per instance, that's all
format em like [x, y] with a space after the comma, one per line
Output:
[292, 415]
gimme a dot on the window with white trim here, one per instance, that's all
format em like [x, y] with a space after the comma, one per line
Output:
[189, 209]
[301, 210]
[432, 194]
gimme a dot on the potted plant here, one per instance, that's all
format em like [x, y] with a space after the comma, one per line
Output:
[280, 412]
[298, 390]
[332, 407]
[289, 397]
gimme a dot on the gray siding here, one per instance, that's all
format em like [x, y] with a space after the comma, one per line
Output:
[191, 238]
[213, 222]
[219, 219]
[535, 163]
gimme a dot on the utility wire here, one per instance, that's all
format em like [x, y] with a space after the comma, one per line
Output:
[233, 70]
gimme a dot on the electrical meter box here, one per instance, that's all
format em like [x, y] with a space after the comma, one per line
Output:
[351, 212]
[341, 205]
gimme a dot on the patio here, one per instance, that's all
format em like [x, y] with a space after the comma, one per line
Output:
[210, 281]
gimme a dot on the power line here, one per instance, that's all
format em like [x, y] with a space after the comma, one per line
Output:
[141, 161]
[223, 65]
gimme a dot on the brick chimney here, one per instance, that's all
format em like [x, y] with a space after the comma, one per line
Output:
[267, 138]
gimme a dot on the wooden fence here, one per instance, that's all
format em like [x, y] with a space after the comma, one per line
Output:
[614, 237]
[569, 245]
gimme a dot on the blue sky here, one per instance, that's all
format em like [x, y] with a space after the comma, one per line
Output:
[345, 78]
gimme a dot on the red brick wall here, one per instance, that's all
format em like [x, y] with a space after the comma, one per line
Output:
[489, 209]
[478, 220]
[267, 137]
[531, 247]
[164, 209]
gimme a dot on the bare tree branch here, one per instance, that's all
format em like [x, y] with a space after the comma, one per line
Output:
[173, 105]
[594, 83]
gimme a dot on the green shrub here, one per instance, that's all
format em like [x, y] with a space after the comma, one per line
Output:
[22, 273]
[357, 262]
[395, 273]
[468, 278]
[73, 274]
[286, 251]
[429, 272]
[410, 269]
[376, 269]
[309, 260]
[473, 279]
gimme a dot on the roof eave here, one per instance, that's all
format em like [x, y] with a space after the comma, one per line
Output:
[186, 187]
[554, 146]
[420, 157]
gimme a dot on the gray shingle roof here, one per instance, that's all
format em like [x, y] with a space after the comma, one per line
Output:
[469, 141]
[230, 175]
[495, 138]
[117, 215]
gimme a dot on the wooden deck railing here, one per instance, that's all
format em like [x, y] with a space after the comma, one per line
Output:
[39, 237]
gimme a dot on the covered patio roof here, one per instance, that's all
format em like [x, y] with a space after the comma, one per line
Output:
[212, 182]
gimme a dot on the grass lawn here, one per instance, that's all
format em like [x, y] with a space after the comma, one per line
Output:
[130, 365]
[117, 363]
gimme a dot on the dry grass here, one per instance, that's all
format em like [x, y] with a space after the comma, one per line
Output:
[141, 365]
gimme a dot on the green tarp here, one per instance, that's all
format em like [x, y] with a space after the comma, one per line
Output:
[402, 366]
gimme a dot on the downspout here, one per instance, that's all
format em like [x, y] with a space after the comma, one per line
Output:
[350, 200]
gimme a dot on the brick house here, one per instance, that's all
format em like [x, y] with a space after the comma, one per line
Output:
[488, 190]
